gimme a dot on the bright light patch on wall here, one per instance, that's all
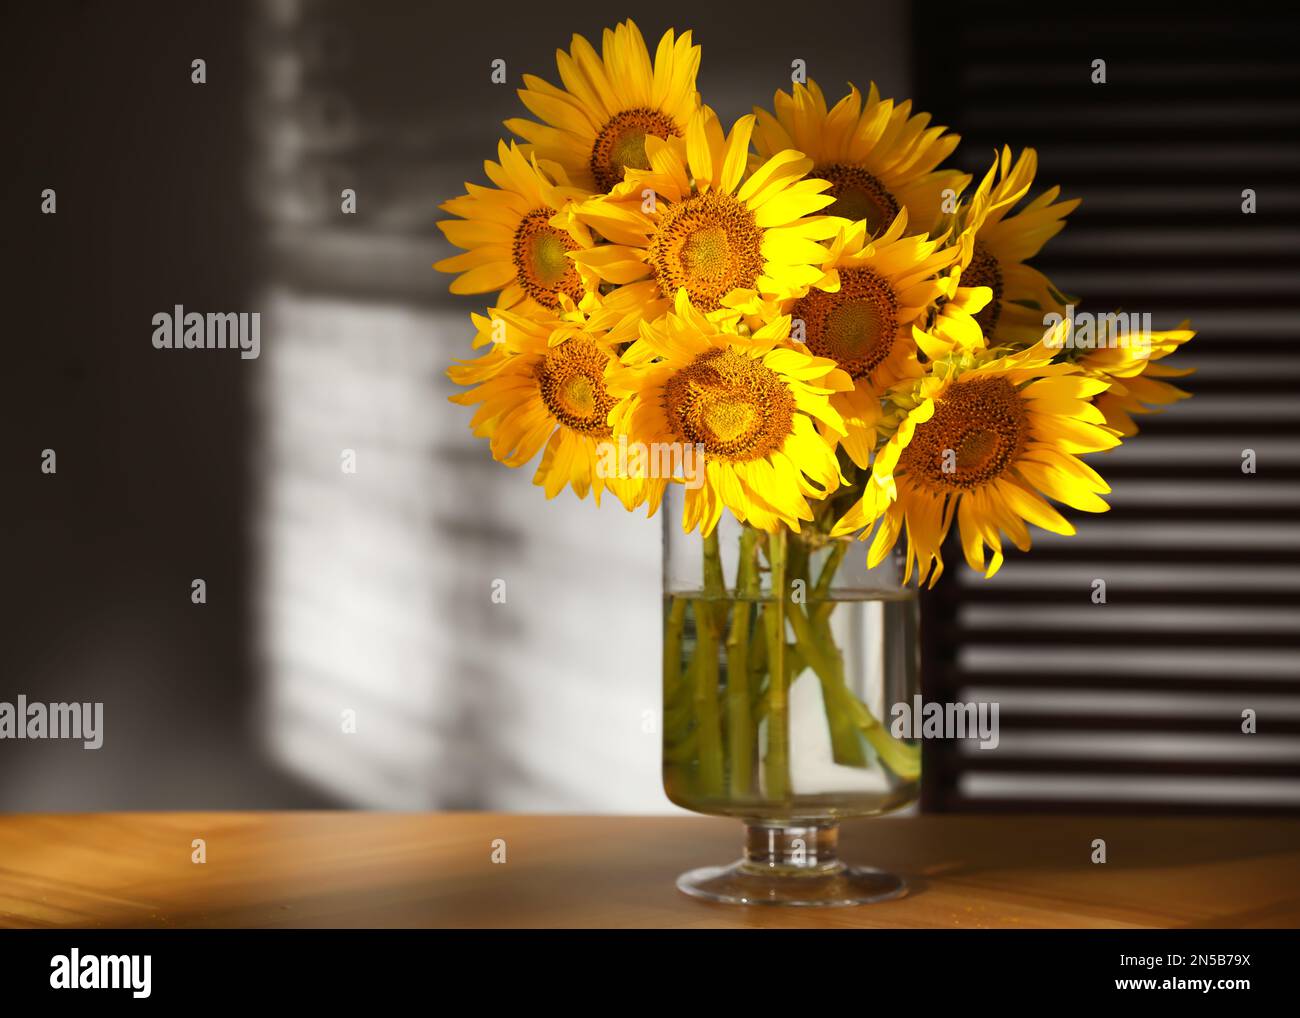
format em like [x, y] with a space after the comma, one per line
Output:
[434, 633]
[349, 552]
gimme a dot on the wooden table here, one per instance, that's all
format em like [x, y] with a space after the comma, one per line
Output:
[402, 870]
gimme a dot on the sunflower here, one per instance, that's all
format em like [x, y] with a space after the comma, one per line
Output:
[982, 439]
[597, 125]
[862, 313]
[996, 243]
[1129, 364]
[879, 158]
[509, 240]
[698, 221]
[542, 388]
[748, 403]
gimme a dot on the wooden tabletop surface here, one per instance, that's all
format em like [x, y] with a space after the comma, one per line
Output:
[348, 869]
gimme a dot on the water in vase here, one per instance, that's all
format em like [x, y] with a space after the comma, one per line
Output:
[780, 709]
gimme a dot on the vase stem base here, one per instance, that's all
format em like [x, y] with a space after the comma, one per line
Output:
[792, 865]
[733, 885]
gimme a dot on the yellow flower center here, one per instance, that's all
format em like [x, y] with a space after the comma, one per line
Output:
[731, 404]
[709, 244]
[540, 263]
[984, 270]
[859, 195]
[571, 378]
[621, 143]
[855, 327]
[978, 431]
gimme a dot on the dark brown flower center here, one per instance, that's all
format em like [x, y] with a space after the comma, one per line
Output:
[571, 378]
[709, 244]
[731, 404]
[859, 195]
[621, 143]
[540, 264]
[979, 429]
[854, 327]
[984, 270]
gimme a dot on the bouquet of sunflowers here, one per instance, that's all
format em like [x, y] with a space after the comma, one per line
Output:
[830, 332]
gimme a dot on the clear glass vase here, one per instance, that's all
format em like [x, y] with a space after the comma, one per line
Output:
[783, 656]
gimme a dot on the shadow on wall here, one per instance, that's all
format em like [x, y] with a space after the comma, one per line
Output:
[149, 489]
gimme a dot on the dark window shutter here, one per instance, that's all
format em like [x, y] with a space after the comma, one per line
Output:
[1137, 704]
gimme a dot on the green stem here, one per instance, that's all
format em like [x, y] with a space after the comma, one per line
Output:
[899, 757]
[794, 666]
[902, 759]
[740, 730]
[679, 707]
[673, 648]
[678, 718]
[715, 584]
[682, 752]
[846, 743]
[776, 761]
[757, 656]
[710, 623]
[826, 663]
[707, 720]
[821, 599]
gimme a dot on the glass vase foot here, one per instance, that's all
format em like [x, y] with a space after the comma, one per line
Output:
[792, 865]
